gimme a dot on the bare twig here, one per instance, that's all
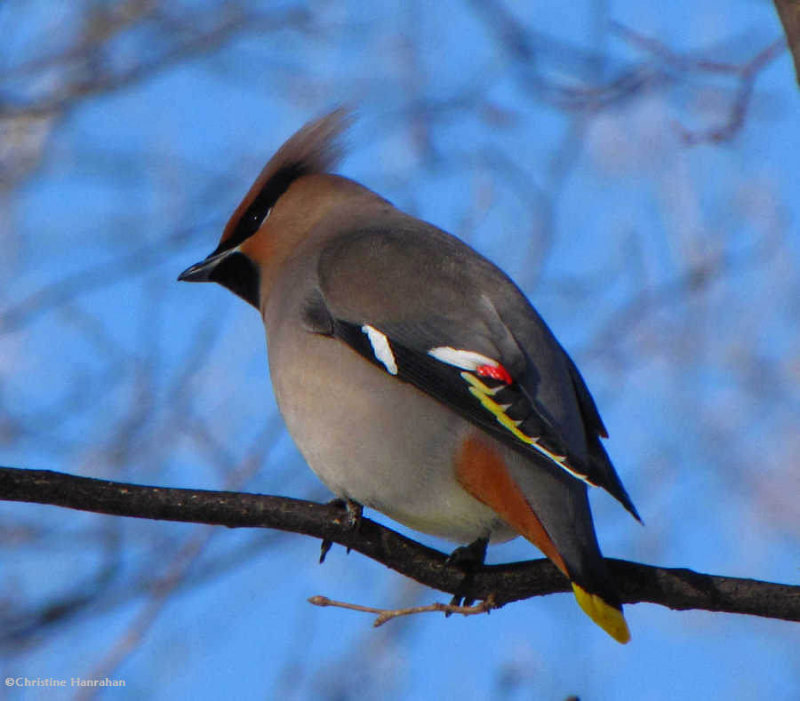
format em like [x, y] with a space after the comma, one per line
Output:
[385, 615]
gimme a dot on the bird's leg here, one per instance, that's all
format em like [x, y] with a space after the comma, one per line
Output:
[467, 558]
[351, 522]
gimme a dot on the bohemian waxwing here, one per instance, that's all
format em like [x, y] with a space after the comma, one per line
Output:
[414, 376]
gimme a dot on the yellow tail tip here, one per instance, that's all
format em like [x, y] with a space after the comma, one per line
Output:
[609, 618]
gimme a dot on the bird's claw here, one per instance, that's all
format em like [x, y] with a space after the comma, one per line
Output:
[350, 521]
[467, 558]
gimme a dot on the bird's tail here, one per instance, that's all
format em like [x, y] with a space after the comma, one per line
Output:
[550, 510]
[607, 615]
[570, 542]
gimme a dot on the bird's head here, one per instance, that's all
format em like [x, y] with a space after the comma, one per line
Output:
[290, 195]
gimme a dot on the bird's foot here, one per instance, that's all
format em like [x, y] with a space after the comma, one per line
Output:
[353, 513]
[467, 558]
[351, 521]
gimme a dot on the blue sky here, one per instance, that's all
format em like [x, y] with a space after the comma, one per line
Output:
[604, 216]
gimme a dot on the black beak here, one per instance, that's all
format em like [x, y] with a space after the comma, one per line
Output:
[201, 272]
[231, 269]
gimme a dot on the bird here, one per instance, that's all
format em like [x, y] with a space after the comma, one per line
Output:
[414, 376]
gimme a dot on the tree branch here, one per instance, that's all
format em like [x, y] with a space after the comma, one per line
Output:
[789, 13]
[675, 588]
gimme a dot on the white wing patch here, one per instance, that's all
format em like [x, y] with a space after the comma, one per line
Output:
[464, 359]
[381, 348]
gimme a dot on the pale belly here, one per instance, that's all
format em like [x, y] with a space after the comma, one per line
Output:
[376, 440]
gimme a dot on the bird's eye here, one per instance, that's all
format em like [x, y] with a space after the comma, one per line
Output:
[257, 219]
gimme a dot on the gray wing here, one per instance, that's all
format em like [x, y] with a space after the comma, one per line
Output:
[431, 311]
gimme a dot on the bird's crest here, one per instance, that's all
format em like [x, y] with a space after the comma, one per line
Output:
[315, 148]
